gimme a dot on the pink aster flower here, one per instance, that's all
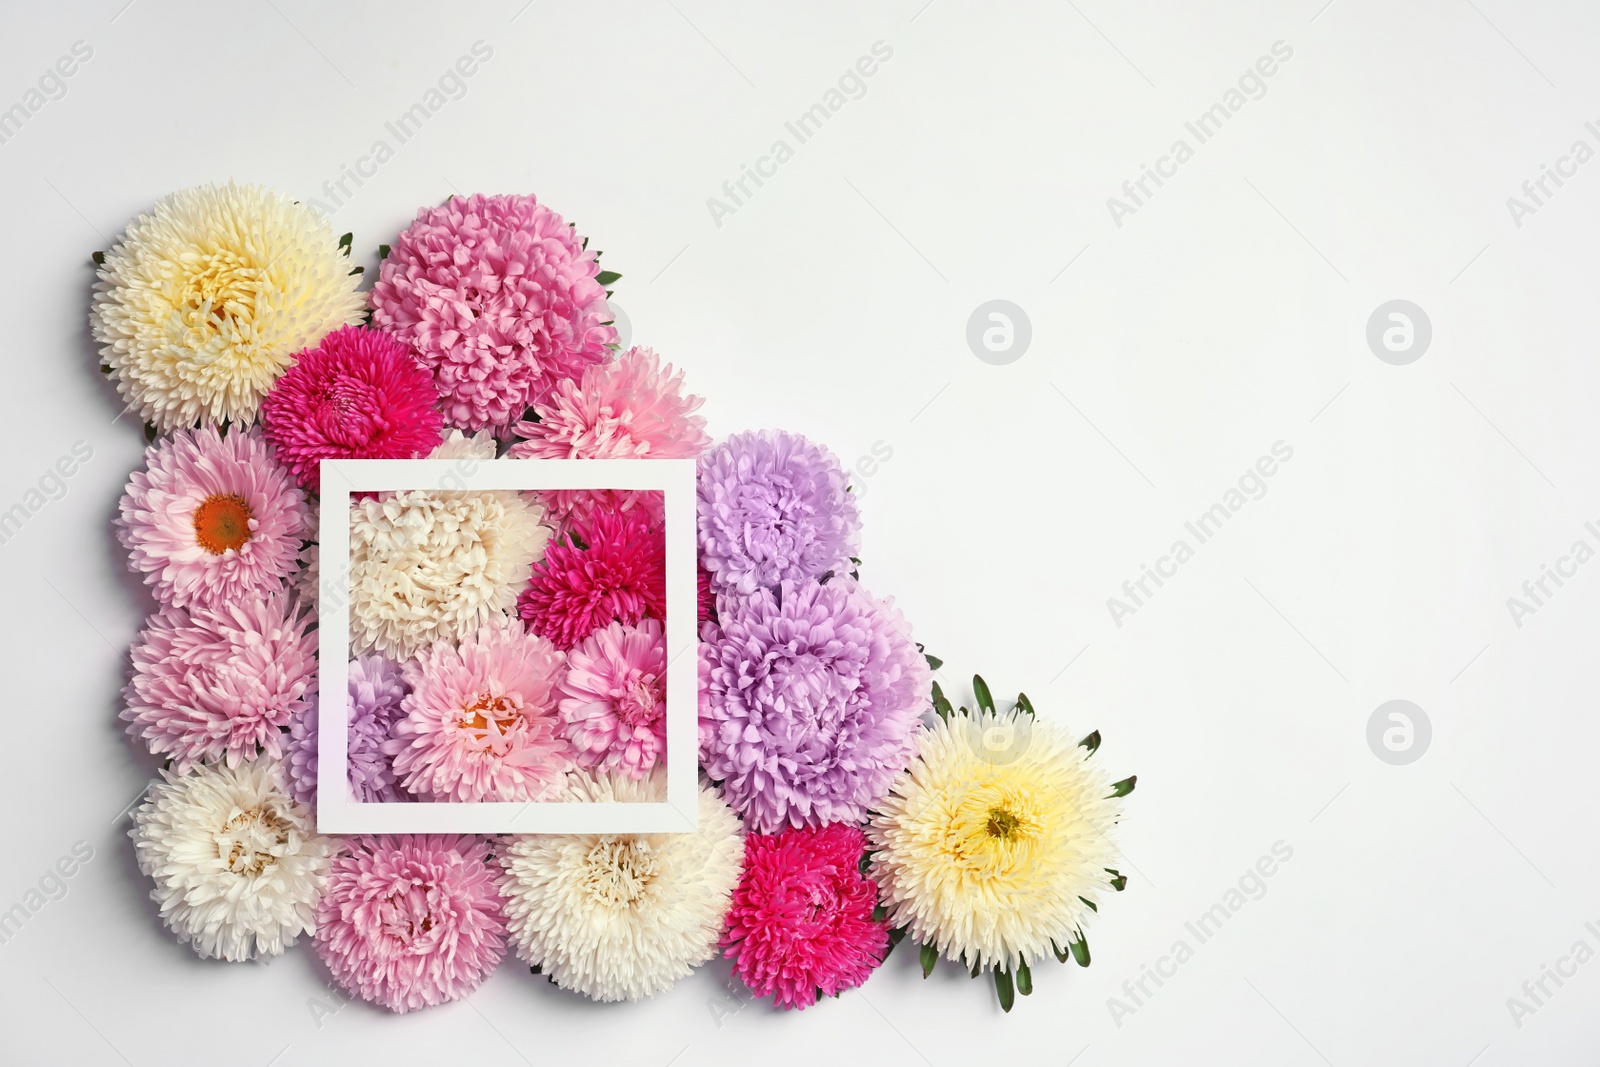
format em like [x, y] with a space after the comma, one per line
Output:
[573, 510]
[613, 698]
[480, 722]
[631, 408]
[620, 575]
[408, 922]
[213, 520]
[357, 395]
[220, 683]
[496, 296]
[800, 925]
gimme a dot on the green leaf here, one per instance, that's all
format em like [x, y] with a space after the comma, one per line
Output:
[934, 662]
[345, 242]
[940, 704]
[930, 956]
[1124, 787]
[1092, 743]
[1025, 704]
[897, 935]
[980, 691]
[1080, 951]
[607, 277]
[1092, 905]
[383, 253]
[1002, 985]
[1119, 881]
[358, 270]
[99, 258]
[1062, 955]
[977, 969]
[535, 969]
[1024, 979]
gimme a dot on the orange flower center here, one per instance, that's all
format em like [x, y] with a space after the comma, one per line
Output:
[500, 709]
[222, 522]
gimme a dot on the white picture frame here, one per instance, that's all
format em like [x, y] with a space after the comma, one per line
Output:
[338, 812]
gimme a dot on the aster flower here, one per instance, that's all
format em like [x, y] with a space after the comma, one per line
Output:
[432, 564]
[480, 722]
[357, 395]
[411, 921]
[613, 705]
[572, 511]
[496, 296]
[237, 863]
[376, 689]
[622, 916]
[213, 519]
[620, 575]
[221, 683]
[630, 408]
[800, 925]
[810, 702]
[774, 507]
[992, 847]
[203, 303]
[706, 600]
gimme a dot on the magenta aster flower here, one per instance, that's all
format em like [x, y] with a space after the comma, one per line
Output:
[376, 689]
[213, 520]
[620, 575]
[496, 296]
[408, 922]
[706, 600]
[774, 507]
[631, 408]
[613, 699]
[481, 721]
[357, 395]
[573, 510]
[221, 683]
[810, 700]
[800, 925]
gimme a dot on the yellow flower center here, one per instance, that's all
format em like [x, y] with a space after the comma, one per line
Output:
[1002, 824]
[248, 839]
[502, 711]
[217, 288]
[222, 522]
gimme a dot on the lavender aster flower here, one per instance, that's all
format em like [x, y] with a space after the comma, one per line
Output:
[810, 699]
[774, 507]
[376, 689]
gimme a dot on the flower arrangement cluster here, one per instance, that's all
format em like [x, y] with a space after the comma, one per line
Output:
[509, 646]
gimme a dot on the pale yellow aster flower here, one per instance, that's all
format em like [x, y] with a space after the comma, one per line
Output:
[203, 303]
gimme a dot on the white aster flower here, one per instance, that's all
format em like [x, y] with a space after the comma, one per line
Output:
[203, 303]
[622, 916]
[237, 863]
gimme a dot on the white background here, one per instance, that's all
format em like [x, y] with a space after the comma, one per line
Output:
[1227, 314]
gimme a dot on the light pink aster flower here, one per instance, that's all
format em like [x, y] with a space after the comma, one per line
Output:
[220, 683]
[411, 921]
[213, 520]
[480, 722]
[498, 298]
[613, 698]
[631, 408]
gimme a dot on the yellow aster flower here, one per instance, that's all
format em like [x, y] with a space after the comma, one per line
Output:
[202, 304]
[991, 842]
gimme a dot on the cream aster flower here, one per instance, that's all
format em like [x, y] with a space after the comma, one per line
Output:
[203, 303]
[990, 843]
[620, 917]
[435, 564]
[237, 863]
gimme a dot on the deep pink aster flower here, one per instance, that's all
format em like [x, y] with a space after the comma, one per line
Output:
[631, 408]
[220, 683]
[707, 599]
[620, 576]
[407, 922]
[496, 296]
[573, 510]
[481, 721]
[213, 520]
[613, 701]
[357, 395]
[800, 925]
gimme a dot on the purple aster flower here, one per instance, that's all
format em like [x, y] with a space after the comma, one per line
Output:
[774, 507]
[810, 701]
[376, 690]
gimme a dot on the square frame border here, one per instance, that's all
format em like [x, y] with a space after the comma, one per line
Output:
[338, 813]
